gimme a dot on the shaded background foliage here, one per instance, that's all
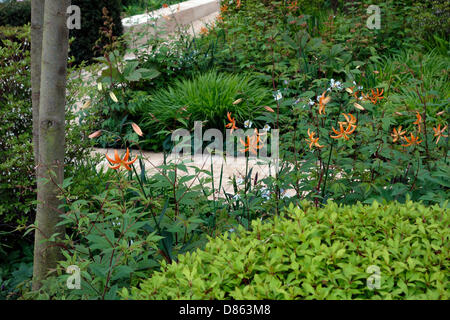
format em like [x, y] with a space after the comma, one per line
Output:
[82, 48]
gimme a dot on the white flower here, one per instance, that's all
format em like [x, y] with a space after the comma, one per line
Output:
[335, 84]
[237, 197]
[265, 193]
[278, 96]
[311, 103]
[231, 230]
[248, 124]
[240, 181]
[266, 128]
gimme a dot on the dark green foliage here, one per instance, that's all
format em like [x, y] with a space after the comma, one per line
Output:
[91, 22]
[17, 176]
[14, 13]
[16, 154]
[310, 253]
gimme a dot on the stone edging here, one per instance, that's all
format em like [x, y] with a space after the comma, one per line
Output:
[183, 13]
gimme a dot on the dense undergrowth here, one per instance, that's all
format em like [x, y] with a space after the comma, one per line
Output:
[363, 120]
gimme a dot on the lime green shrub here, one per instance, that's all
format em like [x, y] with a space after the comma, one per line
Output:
[314, 253]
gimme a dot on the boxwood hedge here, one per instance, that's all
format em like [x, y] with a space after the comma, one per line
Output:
[336, 252]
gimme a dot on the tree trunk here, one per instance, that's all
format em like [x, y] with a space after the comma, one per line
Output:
[51, 137]
[37, 20]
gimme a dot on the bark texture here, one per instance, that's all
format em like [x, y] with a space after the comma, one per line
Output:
[37, 21]
[51, 137]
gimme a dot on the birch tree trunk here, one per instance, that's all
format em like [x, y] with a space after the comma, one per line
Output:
[37, 20]
[51, 136]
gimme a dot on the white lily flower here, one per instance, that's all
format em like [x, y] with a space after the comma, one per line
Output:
[278, 96]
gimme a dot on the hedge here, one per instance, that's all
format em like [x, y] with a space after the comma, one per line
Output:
[314, 253]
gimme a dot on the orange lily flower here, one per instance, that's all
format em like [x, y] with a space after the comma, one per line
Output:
[411, 141]
[232, 124]
[419, 120]
[343, 133]
[117, 163]
[252, 144]
[438, 132]
[350, 120]
[322, 102]
[397, 134]
[224, 8]
[313, 141]
[292, 5]
[377, 96]
[238, 4]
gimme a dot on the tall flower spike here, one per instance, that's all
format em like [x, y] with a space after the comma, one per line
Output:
[117, 163]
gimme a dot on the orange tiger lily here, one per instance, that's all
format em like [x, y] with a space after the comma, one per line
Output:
[377, 96]
[232, 124]
[350, 120]
[397, 134]
[440, 133]
[252, 144]
[343, 133]
[322, 102]
[313, 141]
[419, 120]
[117, 163]
[411, 141]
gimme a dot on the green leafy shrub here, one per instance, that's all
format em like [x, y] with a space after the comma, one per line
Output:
[17, 175]
[317, 254]
[121, 224]
[16, 153]
[15, 13]
[207, 97]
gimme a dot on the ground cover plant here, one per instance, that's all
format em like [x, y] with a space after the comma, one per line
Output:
[311, 253]
[361, 180]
